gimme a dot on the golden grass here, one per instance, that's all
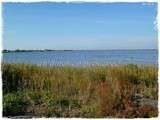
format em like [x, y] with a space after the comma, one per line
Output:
[67, 91]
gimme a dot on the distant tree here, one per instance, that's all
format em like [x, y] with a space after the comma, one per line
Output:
[17, 50]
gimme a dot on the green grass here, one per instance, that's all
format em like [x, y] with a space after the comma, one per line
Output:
[67, 91]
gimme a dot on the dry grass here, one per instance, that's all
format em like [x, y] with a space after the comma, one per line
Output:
[65, 91]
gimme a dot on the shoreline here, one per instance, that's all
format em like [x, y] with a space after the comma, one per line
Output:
[82, 65]
[45, 50]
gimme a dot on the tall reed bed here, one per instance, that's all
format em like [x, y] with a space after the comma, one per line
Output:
[68, 91]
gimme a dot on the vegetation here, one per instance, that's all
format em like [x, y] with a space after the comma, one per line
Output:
[67, 91]
[21, 50]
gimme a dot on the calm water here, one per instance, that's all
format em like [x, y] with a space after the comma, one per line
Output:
[83, 57]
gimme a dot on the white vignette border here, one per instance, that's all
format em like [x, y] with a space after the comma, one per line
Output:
[147, 2]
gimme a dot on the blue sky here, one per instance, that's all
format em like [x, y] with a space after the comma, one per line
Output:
[83, 26]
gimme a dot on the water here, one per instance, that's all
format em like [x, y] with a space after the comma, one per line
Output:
[83, 57]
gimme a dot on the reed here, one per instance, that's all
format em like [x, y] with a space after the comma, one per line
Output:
[69, 91]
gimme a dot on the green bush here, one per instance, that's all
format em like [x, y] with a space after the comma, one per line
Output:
[14, 104]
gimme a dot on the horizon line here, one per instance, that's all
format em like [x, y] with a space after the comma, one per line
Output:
[80, 49]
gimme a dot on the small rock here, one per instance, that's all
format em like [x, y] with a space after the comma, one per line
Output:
[139, 100]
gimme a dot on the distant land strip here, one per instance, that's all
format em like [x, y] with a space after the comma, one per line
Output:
[43, 50]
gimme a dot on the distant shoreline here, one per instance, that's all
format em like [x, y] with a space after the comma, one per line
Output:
[7, 51]
[44, 50]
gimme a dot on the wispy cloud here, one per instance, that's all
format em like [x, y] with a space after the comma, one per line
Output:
[100, 21]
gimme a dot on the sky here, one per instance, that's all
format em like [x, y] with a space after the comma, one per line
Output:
[79, 26]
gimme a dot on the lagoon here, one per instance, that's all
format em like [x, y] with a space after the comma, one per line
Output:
[83, 57]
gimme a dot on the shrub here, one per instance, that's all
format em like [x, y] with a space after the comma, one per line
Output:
[14, 104]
